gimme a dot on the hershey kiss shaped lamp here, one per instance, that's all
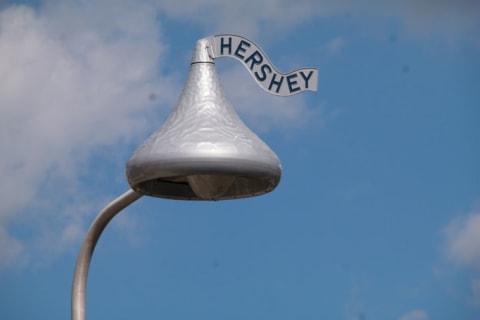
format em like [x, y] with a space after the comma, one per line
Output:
[203, 151]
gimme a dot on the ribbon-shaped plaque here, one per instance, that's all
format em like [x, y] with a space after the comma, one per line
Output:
[260, 67]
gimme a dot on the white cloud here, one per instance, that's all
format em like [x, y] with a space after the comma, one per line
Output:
[449, 20]
[414, 315]
[73, 77]
[354, 306]
[475, 292]
[463, 240]
[463, 248]
[131, 227]
[11, 249]
[244, 17]
[335, 45]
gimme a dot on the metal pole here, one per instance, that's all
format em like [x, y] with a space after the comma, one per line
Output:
[85, 255]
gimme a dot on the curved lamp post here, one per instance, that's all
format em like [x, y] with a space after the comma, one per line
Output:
[203, 151]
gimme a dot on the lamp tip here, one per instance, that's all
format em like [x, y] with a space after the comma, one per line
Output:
[203, 51]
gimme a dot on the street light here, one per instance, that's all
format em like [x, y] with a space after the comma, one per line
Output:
[203, 151]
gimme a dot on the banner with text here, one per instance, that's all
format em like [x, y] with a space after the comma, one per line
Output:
[262, 70]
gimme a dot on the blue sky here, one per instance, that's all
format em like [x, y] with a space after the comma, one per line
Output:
[377, 215]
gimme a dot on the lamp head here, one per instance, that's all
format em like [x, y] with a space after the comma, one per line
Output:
[203, 151]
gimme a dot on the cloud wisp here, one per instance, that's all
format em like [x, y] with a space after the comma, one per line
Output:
[463, 241]
[414, 315]
[463, 248]
[447, 20]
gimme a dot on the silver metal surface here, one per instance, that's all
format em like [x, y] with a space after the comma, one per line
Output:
[79, 285]
[203, 151]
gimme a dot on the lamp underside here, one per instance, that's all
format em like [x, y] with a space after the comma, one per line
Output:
[212, 179]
